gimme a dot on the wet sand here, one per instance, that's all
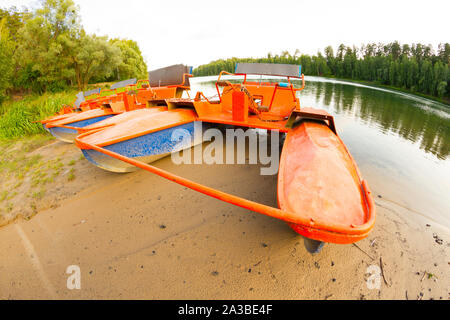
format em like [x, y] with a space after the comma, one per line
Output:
[139, 236]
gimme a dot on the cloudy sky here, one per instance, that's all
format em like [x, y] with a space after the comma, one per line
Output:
[196, 32]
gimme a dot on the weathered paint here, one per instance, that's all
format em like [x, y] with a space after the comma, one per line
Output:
[68, 135]
[146, 148]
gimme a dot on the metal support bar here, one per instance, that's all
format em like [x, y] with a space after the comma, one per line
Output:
[241, 202]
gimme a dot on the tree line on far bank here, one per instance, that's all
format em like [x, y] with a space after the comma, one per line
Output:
[48, 50]
[416, 68]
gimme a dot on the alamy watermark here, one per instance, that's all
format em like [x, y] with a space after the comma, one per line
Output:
[259, 145]
[74, 280]
[373, 282]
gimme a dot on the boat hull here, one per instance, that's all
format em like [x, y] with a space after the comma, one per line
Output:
[327, 236]
[318, 180]
[68, 135]
[146, 148]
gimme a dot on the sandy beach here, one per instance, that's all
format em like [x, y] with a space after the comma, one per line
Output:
[138, 236]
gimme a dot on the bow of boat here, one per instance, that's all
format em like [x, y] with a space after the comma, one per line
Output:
[319, 181]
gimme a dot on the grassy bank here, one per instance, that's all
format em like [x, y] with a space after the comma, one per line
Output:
[17, 117]
[34, 176]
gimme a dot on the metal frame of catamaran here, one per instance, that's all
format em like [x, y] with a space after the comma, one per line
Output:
[271, 106]
[127, 95]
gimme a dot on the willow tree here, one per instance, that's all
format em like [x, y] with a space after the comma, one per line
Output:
[132, 64]
[6, 58]
[55, 51]
[94, 56]
[46, 38]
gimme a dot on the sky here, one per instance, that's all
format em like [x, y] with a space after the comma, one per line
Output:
[196, 32]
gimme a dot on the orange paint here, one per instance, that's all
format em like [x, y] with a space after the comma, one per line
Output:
[321, 193]
[79, 117]
[240, 106]
[291, 217]
[145, 122]
[319, 180]
[116, 103]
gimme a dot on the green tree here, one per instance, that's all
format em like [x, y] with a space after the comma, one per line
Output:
[47, 37]
[395, 50]
[444, 53]
[331, 61]
[412, 67]
[132, 64]
[6, 58]
[94, 56]
[441, 89]
[12, 21]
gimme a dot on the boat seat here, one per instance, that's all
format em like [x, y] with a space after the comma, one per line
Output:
[79, 100]
[117, 107]
[156, 103]
[123, 84]
[269, 69]
[91, 92]
[170, 76]
[222, 83]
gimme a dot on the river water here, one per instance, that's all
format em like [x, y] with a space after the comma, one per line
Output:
[400, 142]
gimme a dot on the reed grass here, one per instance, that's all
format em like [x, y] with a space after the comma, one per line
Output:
[17, 118]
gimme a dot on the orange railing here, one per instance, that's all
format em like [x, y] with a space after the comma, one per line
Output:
[291, 86]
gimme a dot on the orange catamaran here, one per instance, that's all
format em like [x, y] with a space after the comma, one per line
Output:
[321, 194]
[127, 95]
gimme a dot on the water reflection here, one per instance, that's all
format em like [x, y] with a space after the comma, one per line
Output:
[418, 120]
[400, 142]
[392, 113]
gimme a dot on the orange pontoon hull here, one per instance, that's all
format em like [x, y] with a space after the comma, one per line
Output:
[145, 135]
[123, 117]
[319, 181]
[66, 129]
[67, 126]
